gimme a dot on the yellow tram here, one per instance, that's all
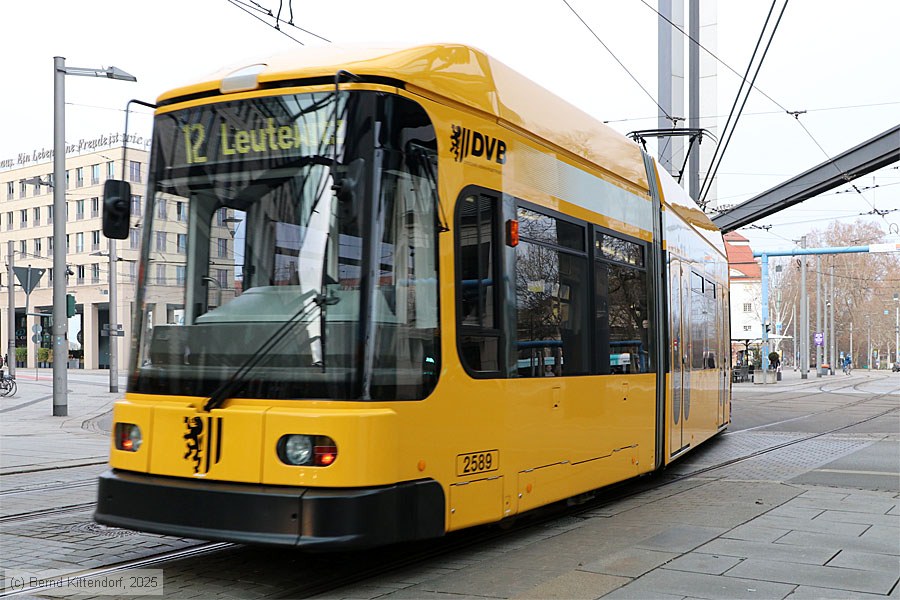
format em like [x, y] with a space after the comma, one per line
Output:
[389, 293]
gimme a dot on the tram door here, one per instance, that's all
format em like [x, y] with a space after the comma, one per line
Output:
[679, 311]
[724, 342]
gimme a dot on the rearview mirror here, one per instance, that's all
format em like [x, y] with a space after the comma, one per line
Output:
[116, 209]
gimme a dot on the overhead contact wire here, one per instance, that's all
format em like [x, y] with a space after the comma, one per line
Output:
[597, 37]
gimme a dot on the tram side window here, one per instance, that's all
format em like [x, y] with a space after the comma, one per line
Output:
[551, 297]
[710, 360]
[477, 297]
[703, 323]
[621, 328]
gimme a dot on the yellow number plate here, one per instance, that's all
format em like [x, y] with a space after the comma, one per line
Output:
[477, 462]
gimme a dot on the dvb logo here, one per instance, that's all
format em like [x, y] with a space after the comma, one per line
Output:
[466, 142]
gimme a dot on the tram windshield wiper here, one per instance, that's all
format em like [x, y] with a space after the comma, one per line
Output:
[233, 383]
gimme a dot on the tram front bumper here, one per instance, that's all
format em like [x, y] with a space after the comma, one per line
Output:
[313, 518]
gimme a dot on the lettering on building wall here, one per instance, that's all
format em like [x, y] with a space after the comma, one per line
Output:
[45, 154]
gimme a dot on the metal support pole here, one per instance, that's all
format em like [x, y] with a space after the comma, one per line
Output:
[832, 340]
[868, 344]
[804, 317]
[11, 319]
[796, 337]
[60, 321]
[764, 263]
[818, 315]
[113, 319]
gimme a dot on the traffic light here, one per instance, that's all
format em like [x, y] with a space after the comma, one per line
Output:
[70, 305]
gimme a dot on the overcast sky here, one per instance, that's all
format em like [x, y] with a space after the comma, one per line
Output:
[834, 59]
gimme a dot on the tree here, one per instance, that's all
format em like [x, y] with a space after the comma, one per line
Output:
[864, 285]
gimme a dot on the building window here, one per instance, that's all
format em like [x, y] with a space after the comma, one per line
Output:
[49, 245]
[23, 249]
[134, 238]
[95, 207]
[95, 240]
[222, 247]
[132, 271]
[49, 214]
[23, 218]
[79, 270]
[79, 210]
[748, 307]
[37, 189]
[37, 246]
[79, 242]
[220, 216]
[161, 274]
[110, 170]
[179, 274]
[10, 190]
[9, 220]
[67, 179]
[79, 177]
[161, 209]
[95, 174]
[22, 188]
[37, 216]
[222, 278]
[95, 273]
[135, 206]
[181, 243]
[181, 211]
[134, 171]
[161, 241]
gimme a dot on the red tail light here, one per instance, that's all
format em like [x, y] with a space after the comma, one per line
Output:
[325, 455]
[128, 437]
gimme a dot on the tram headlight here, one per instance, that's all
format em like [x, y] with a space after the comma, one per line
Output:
[307, 450]
[295, 449]
[128, 437]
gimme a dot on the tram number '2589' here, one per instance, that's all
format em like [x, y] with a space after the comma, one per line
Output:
[477, 462]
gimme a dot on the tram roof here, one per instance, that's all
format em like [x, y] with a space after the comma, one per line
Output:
[464, 75]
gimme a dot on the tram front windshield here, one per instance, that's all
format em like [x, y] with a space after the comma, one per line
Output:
[290, 250]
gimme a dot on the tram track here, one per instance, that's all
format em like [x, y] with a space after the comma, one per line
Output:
[46, 512]
[50, 487]
[821, 389]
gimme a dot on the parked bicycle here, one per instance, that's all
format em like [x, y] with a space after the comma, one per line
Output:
[8, 385]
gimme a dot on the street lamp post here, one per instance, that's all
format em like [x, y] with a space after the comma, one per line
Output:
[60, 320]
[113, 314]
[113, 318]
[11, 352]
[897, 329]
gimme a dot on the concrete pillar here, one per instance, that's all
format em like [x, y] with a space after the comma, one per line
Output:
[670, 81]
[90, 336]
